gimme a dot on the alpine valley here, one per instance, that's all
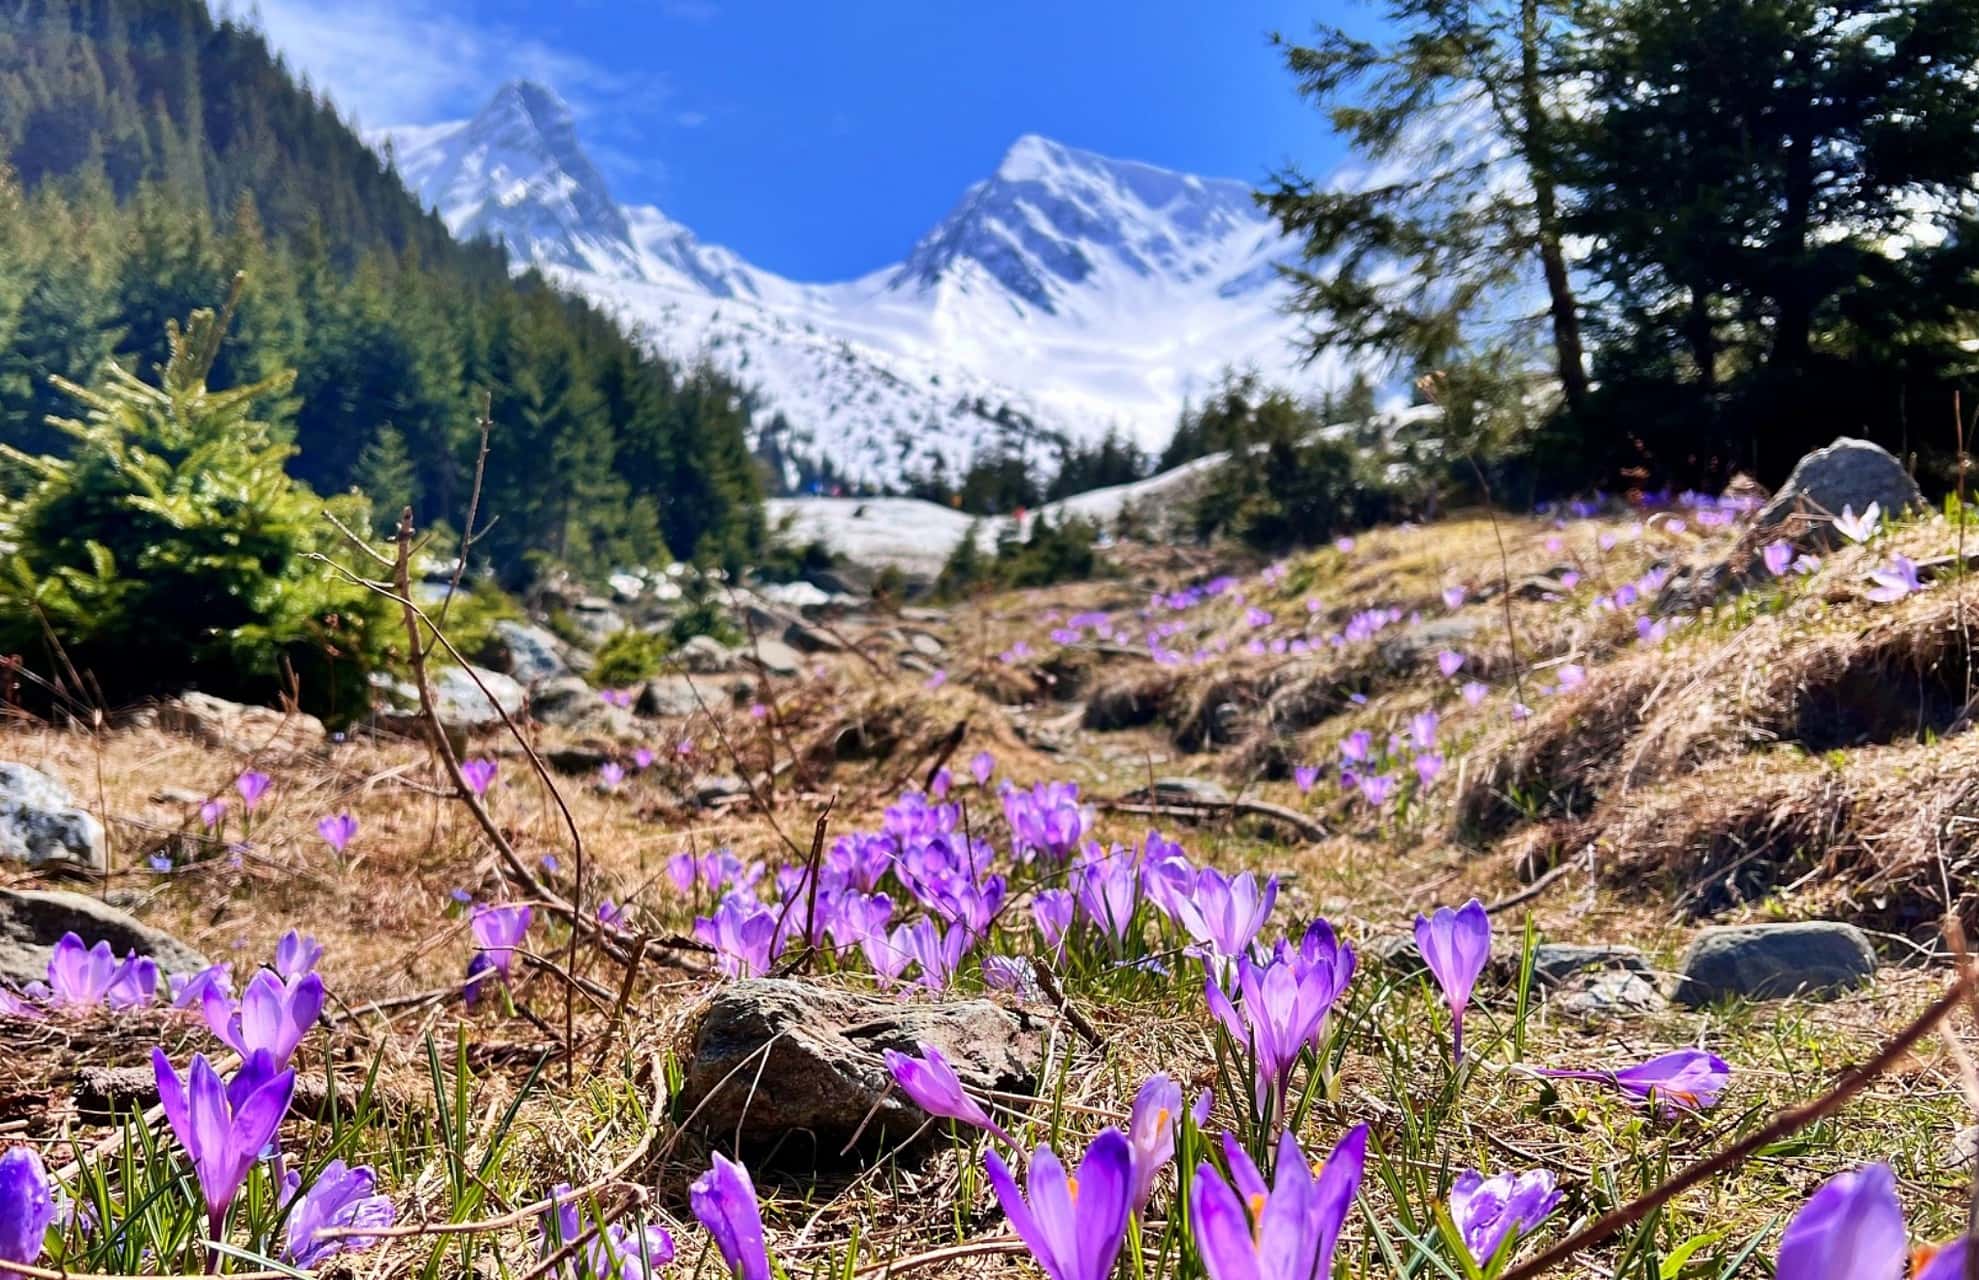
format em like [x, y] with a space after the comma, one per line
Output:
[1065, 294]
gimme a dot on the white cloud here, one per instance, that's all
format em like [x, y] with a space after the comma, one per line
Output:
[389, 62]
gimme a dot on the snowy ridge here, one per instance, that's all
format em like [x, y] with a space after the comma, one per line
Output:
[1065, 294]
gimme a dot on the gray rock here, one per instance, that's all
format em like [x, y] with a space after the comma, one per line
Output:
[1614, 994]
[923, 614]
[809, 639]
[713, 788]
[799, 1069]
[1420, 643]
[530, 653]
[595, 619]
[774, 657]
[675, 696]
[1395, 954]
[33, 921]
[1188, 790]
[1848, 473]
[705, 656]
[1773, 961]
[457, 701]
[236, 727]
[569, 703]
[1555, 962]
[41, 825]
[924, 644]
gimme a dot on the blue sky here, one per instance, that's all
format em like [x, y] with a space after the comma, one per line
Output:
[820, 139]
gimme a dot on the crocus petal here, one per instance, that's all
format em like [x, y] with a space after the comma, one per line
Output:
[1850, 1229]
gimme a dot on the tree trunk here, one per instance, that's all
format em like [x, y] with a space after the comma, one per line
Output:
[1546, 210]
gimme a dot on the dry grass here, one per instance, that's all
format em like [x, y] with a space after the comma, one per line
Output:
[1775, 760]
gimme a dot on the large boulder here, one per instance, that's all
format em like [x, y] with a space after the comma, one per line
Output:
[530, 653]
[1849, 473]
[673, 697]
[798, 1069]
[33, 921]
[1774, 961]
[41, 825]
[773, 657]
[236, 728]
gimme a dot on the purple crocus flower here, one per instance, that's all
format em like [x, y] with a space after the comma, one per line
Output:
[1304, 776]
[1151, 1134]
[1572, 676]
[212, 812]
[1108, 887]
[340, 1197]
[1778, 557]
[1287, 1231]
[724, 1200]
[1453, 598]
[1859, 528]
[1375, 788]
[1074, 1225]
[1354, 747]
[1852, 1229]
[617, 1252]
[1681, 1080]
[189, 990]
[743, 933]
[1455, 945]
[252, 785]
[498, 931]
[938, 951]
[27, 1206]
[297, 954]
[1422, 730]
[1428, 768]
[273, 1016]
[1278, 1011]
[1226, 912]
[86, 978]
[610, 774]
[1895, 582]
[1053, 910]
[933, 1086]
[1474, 692]
[1488, 1210]
[223, 1126]
[1449, 662]
[643, 758]
[337, 830]
[479, 773]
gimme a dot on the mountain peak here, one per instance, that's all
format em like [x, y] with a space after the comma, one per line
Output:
[535, 101]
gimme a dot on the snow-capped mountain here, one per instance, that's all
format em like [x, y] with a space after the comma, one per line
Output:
[1064, 294]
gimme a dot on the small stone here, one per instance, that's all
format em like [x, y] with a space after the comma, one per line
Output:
[1615, 993]
[595, 619]
[1774, 961]
[33, 921]
[797, 1070]
[924, 644]
[41, 825]
[1189, 791]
